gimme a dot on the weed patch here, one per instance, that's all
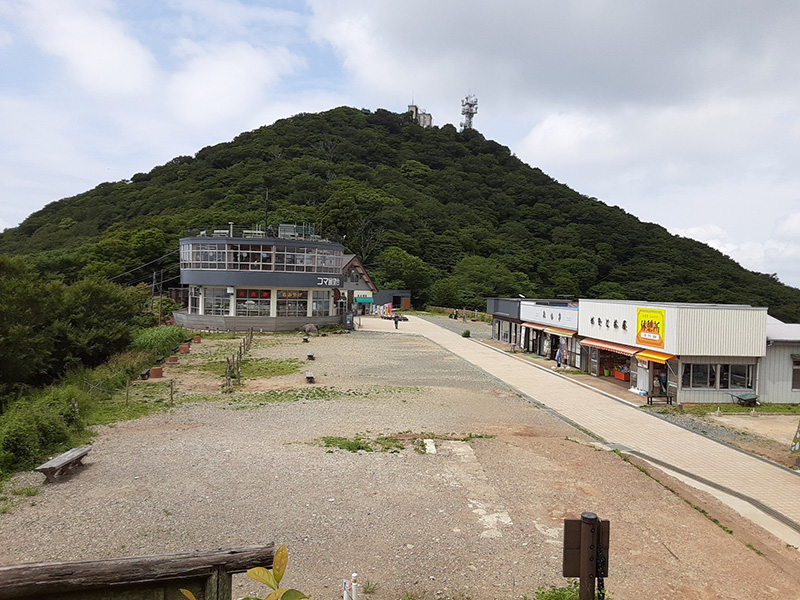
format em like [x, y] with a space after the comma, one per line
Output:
[252, 368]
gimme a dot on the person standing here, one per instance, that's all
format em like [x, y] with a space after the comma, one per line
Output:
[396, 320]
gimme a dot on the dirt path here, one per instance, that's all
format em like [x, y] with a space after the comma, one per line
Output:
[481, 518]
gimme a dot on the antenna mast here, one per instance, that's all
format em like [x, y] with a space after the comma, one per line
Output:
[469, 108]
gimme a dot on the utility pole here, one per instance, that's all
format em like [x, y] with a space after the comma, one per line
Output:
[153, 291]
[160, 295]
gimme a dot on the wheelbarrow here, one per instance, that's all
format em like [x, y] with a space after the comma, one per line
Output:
[746, 399]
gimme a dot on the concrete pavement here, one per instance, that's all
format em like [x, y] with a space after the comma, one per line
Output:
[759, 490]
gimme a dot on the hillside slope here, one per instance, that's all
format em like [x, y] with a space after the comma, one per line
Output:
[453, 216]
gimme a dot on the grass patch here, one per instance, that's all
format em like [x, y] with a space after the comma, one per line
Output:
[701, 410]
[392, 443]
[369, 587]
[355, 444]
[754, 549]
[571, 591]
[26, 491]
[252, 368]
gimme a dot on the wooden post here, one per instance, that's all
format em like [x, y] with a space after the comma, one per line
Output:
[588, 565]
[171, 390]
[127, 391]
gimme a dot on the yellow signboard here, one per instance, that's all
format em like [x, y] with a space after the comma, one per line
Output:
[650, 327]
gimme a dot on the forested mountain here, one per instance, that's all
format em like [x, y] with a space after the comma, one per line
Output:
[452, 216]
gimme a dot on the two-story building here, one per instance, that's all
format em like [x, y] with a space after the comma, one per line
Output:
[242, 278]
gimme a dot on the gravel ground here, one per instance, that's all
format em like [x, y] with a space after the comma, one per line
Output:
[481, 518]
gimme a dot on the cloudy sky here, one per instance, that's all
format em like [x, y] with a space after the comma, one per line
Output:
[683, 113]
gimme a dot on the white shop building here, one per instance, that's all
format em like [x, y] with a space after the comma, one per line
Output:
[695, 353]
[549, 326]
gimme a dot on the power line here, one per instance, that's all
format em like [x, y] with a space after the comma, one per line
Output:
[144, 265]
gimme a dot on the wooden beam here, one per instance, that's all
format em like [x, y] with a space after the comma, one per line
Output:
[43, 578]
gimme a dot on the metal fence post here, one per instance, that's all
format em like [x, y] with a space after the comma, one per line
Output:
[588, 564]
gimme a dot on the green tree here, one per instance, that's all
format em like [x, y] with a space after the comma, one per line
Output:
[400, 270]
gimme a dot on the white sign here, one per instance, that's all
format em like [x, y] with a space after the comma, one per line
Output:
[565, 317]
[329, 281]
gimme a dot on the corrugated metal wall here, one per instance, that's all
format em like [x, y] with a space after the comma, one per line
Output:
[721, 331]
[775, 375]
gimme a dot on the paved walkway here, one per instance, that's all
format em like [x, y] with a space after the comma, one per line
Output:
[771, 494]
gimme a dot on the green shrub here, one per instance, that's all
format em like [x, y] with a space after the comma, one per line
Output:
[19, 442]
[465, 333]
[159, 340]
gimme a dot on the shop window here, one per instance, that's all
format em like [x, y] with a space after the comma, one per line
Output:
[320, 306]
[736, 377]
[216, 301]
[194, 300]
[292, 303]
[796, 374]
[252, 302]
[699, 377]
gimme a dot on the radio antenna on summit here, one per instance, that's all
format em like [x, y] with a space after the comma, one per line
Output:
[469, 108]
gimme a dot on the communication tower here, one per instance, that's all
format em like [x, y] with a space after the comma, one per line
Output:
[469, 107]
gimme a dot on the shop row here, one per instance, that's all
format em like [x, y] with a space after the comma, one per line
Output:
[678, 352]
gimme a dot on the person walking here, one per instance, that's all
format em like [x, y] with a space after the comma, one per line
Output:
[396, 320]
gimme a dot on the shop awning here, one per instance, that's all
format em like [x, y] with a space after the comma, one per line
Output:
[535, 326]
[610, 346]
[364, 300]
[654, 356]
[560, 332]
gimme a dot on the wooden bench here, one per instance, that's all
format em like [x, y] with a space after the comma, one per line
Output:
[145, 374]
[310, 356]
[667, 399]
[309, 377]
[63, 463]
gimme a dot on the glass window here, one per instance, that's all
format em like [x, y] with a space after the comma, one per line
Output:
[796, 374]
[699, 376]
[292, 303]
[194, 300]
[321, 306]
[733, 377]
[216, 301]
[253, 302]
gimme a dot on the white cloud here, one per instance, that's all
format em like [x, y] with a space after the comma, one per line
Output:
[231, 17]
[222, 82]
[99, 54]
[681, 113]
[790, 227]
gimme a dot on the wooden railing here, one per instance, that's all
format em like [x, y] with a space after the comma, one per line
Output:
[205, 573]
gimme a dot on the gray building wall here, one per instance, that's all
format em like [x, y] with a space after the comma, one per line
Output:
[775, 374]
[386, 296]
[507, 308]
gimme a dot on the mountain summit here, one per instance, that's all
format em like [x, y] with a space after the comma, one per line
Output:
[451, 215]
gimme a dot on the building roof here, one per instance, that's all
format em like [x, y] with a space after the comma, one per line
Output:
[350, 261]
[778, 331]
[675, 304]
